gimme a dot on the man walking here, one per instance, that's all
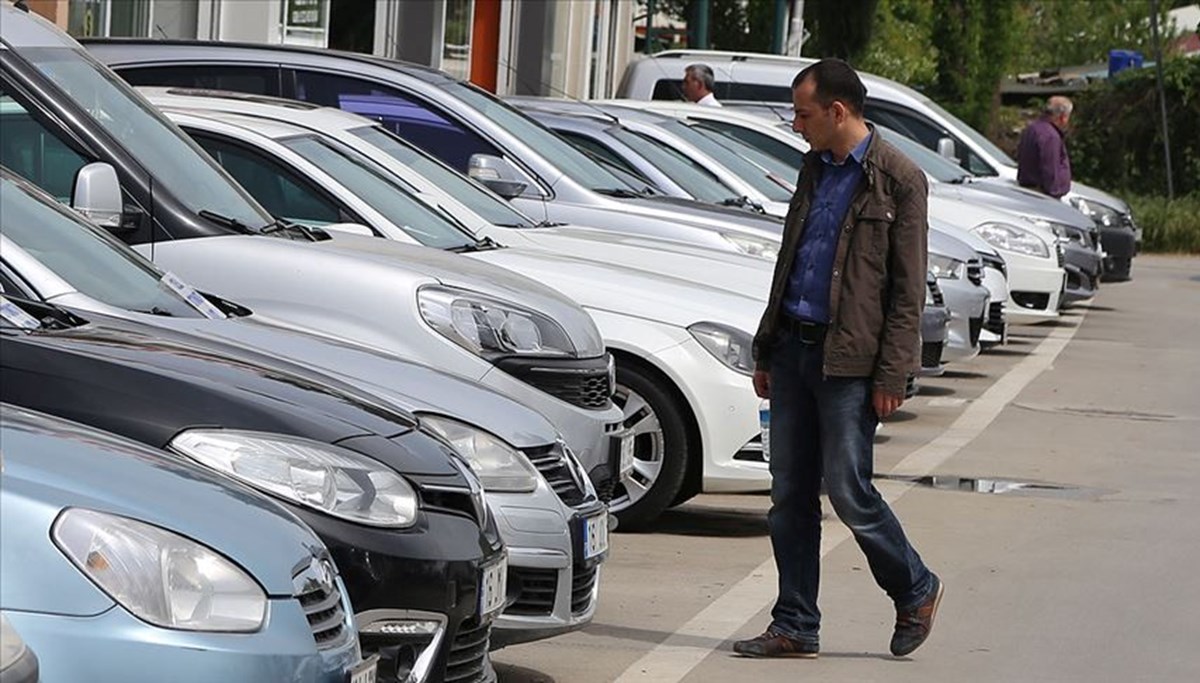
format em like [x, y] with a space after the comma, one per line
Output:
[698, 82]
[833, 353]
[1042, 161]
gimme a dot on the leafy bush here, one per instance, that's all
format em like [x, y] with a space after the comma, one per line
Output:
[1116, 141]
[1170, 226]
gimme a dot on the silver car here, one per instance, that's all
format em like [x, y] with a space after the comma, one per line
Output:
[548, 513]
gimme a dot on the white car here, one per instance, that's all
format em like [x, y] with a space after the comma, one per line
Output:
[678, 318]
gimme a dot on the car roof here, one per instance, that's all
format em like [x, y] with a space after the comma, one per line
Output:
[250, 107]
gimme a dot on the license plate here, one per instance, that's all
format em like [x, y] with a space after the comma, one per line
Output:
[595, 535]
[626, 455]
[365, 672]
[493, 587]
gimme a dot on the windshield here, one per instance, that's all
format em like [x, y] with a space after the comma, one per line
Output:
[721, 149]
[980, 141]
[939, 167]
[689, 175]
[791, 156]
[85, 256]
[382, 191]
[489, 206]
[575, 164]
[190, 175]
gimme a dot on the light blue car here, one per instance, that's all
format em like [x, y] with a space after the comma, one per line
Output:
[120, 563]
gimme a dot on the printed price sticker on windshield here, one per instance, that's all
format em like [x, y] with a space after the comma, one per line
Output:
[195, 299]
[16, 316]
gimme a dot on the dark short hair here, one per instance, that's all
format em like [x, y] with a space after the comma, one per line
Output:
[833, 80]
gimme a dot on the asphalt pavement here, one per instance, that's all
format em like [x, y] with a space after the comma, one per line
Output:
[1051, 483]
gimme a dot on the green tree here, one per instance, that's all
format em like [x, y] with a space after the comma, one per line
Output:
[902, 47]
[1075, 32]
[840, 29]
[977, 42]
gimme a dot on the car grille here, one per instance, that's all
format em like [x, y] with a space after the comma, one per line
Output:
[974, 325]
[995, 318]
[321, 600]
[1060, 254]
[994, 261]
[1034, 301]
[936, 293]
[931, 354]
[552, 463]
[536, 590]
[466, 662]
[583, 584]
[975, 271]
[585, 383]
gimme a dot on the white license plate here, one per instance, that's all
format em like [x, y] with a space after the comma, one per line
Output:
[365, 672]
[595, 535]
[627, 442]
[493, 587]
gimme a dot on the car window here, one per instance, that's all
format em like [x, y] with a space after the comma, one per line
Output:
[975, 136]
[382, 191]
[737, 162]
[939, 167]
[786, 153]
[466, 191]
[696, 180]
[905, 124]
[595, 147]
[32, 151]
[249, 79]
[281, 191]
[396, 112]
[160, 147]
[85, 256]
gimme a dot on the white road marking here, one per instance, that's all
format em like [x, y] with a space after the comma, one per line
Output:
[674, 658]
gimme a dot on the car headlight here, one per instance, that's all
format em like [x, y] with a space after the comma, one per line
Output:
[946, 267]
[753, 246]
[328, 479]
[160, 576]
[489, 326]
[500, 467]
[730, 346]
[1012, 238]
[1100, 213]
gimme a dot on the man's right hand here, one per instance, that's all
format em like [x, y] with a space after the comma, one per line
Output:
[762, 383]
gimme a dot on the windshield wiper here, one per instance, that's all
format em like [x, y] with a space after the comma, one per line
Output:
[484, 244]
[743, 202]
[292, 228]
[228, 222]
[963, 179]
[620, 193]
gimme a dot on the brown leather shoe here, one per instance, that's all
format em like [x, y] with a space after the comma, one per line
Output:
[772, 644]
[913, 625]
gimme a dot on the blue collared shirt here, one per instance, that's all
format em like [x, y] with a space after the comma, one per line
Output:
[807, 295]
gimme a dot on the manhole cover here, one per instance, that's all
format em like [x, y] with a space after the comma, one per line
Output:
[998, 486]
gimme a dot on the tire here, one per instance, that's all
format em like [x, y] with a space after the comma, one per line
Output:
[660, 447]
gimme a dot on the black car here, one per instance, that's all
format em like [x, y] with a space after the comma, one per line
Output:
[400, 512]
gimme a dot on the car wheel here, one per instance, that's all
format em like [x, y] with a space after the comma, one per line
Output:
[660, 448]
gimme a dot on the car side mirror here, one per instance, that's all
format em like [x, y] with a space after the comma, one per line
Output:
[945, 147]
[498, 174]
[97, 195]
[349, 229]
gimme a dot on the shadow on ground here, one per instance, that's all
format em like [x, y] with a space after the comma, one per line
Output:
[511, 673]
[964, 374]
[899, 416]
[691, 520]
[931, 390]
[657, 637]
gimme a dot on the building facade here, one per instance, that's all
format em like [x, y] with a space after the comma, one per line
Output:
[565, 48]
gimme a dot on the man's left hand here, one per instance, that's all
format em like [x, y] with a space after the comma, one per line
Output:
[885, 403]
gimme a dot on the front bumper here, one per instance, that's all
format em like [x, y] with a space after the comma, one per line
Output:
[1120, 246]
[116, 646]
[1035, 287]
[995, 326]
[968, 304]
[935, 323]
[1083, 266]
[430, 572]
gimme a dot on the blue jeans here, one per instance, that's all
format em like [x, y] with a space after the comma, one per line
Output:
[825, 427]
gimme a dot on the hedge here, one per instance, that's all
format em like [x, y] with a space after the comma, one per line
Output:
[1168, 226]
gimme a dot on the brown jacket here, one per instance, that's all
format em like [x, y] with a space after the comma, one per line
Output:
[879, 268]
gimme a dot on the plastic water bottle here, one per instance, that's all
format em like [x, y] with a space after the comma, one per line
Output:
[764, 424]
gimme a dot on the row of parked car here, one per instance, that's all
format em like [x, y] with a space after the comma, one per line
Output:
[326, 367]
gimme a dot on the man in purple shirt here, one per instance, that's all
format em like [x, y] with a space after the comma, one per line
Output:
[1042, 160]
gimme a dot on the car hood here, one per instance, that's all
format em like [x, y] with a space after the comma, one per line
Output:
[657, 297]
[404, 384]
[972, 239]
[704, 215]
[1018, 200]
[51, 464]
[452, 270]
[949, 244]
[150, 383]
[685, 261]
[968, 215]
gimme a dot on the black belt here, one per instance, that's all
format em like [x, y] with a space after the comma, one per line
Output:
[805, 331]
